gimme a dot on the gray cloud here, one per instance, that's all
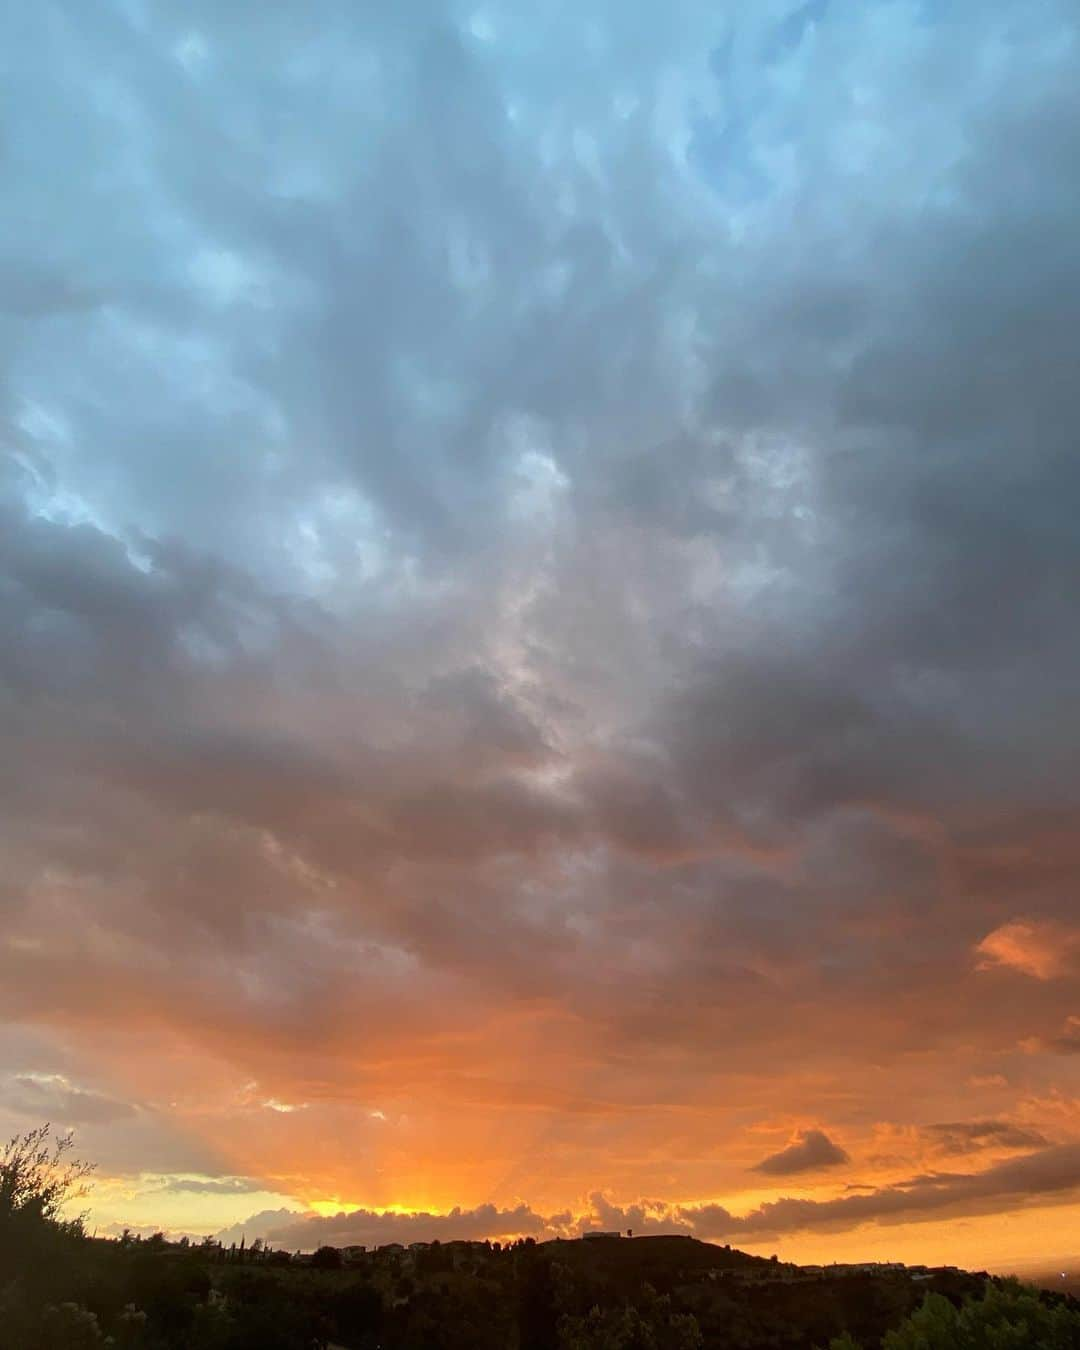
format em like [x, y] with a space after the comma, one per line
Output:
[221, 1186]
[52, 1097]
[370, 1227]
[262, 1225]
[969, 1136]
[813, 1149]
[1041, 1177]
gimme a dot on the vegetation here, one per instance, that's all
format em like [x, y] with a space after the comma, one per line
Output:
[63, 1290]
[1007, 1316]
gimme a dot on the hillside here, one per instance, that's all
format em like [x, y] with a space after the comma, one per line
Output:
[651, 1257]
[665, 1293]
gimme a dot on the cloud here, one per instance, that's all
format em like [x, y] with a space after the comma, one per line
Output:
[52, 1097]
[1042, 950]
[970, 1136]
[1066, 1042]
[645, 1218]
[263, 1225]
[371, 1227]
[810, 1151]
[1039, 1177]
[211, 1185]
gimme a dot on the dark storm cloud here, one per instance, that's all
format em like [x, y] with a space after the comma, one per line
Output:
[813, 1149]
[1037, 1178]
[536, 515]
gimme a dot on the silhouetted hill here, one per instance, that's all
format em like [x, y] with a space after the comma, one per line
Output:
[662, 1248]
[61, 1290]
[651, 1257]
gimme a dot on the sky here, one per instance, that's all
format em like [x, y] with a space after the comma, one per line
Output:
[538, 645]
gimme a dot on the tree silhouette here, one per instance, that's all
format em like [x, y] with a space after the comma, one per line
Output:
[38, 1179]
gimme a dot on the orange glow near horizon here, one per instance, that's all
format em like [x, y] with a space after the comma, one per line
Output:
[442, 1144]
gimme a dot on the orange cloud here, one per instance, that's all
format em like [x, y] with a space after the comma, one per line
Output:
[1044, 950]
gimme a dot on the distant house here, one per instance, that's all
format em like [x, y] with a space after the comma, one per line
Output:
[391, 1249]
[755, 1274]
[599, 1233]
[352, 1252]
[419, 1246]
[865, 1268]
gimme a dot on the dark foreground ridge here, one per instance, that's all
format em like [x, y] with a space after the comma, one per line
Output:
[647, 1293]
[63, 1290]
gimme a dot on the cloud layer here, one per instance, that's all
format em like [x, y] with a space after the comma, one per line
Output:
[537, 559]
[1039, 1178]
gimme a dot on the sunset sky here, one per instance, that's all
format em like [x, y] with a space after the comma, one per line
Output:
[539, 638]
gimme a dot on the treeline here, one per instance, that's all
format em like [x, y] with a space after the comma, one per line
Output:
[62, 1290]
